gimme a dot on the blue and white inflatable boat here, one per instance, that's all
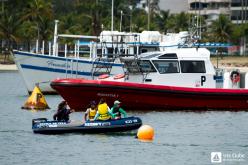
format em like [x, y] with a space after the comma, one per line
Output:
[44, 126]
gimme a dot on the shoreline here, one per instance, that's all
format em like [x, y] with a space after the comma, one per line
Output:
[229, 69]
[8, 67]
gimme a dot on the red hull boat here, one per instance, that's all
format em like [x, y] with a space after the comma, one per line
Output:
[137, 96]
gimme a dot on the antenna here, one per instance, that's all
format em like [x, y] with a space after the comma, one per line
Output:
[55, 38]
[112, 17]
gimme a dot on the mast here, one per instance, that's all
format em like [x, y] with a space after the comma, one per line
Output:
[148, 18]
[121, 20]
[112, 17]
[55, 37]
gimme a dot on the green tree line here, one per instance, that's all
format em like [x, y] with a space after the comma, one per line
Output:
[29, 20]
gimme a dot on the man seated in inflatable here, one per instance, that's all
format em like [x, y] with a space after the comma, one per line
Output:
[90, 112]
[103, 111]
[117, 110]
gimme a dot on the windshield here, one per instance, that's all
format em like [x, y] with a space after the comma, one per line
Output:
[146, 66]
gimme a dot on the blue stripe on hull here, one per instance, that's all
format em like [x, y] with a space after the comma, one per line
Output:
[63, 58]
[24, 66]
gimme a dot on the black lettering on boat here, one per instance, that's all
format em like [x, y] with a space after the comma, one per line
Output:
[203, 79]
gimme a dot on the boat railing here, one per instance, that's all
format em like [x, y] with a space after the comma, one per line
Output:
[102, 65]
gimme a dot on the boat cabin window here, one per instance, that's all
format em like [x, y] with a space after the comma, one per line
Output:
[146, 66]
[132, 66]
[193, 67]
[148, 49]
[165, 67]
[139, 66]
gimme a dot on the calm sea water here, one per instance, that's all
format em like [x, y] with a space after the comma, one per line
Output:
[180, 137]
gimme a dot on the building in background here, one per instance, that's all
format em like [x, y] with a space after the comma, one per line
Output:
[174, 6]
[146, 4]
[209, 9]
[236, 10]
[239, 11]
[142, 4]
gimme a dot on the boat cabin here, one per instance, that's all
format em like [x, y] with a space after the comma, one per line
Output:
[185, 67]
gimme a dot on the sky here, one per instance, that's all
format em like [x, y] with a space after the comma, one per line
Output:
[175, 6]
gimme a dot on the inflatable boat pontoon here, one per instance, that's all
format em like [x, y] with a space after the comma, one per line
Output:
[44, 126]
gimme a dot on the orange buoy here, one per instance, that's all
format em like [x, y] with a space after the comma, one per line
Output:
[103, 76]
[145, 132]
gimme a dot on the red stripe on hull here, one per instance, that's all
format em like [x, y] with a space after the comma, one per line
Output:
[79, 92]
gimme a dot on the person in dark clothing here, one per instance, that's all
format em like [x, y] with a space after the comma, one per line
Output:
[62, 113]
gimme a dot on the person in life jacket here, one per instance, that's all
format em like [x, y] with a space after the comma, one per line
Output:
[90, 112]
[103, 111]
[117, 110]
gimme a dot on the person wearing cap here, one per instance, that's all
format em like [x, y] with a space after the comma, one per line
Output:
[90, 112]
[117, 110]
[103, 111]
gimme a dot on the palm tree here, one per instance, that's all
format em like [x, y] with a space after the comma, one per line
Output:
[221, 29]
[161, 20]
[178, 22]
[91, 10]
[46, 28]
[70, 24]
[239, 35]
[36, 10]
[9, 24]
[139, 20]
[27, 32]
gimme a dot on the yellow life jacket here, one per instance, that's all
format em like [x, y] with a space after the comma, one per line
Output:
[103, 112]
[92, 113]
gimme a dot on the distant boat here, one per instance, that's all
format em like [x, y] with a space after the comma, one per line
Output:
[41, 69]
[89, 59]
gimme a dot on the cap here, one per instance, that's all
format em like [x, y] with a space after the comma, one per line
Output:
[117, 102]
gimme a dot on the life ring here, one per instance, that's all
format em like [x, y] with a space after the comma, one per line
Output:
[119, 76]
[103, 76]
[235, 76]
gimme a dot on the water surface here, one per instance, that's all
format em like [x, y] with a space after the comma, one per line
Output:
[180, 137]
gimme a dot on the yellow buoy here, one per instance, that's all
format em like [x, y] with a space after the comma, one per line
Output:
[36, 100]
[145, 132]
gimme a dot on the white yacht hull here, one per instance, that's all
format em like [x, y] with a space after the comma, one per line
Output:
[42, 69]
